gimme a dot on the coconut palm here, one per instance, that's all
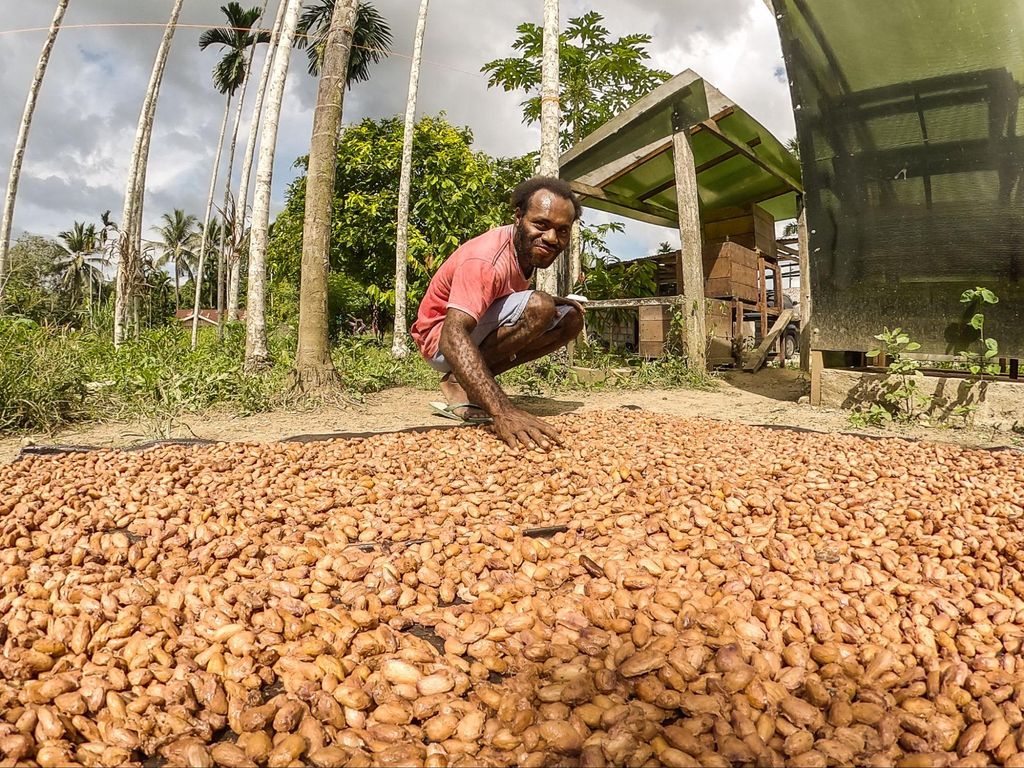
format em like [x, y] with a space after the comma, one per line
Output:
[371, 40]
[228, 75]
[399, 347]
[19, 144]
[80, 270]
[234, 271]
[131, 222]
[229, 255]
[177, 236]
[257, 353]
[314, 369]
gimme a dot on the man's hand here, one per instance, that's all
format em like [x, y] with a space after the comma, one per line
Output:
[562, 301]
[518, 427]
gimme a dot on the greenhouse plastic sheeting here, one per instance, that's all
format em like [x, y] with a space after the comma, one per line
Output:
[912, 162]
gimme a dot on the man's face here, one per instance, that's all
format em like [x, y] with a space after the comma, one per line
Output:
[542, 232]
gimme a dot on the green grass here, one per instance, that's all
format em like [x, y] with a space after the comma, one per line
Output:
[51, 377]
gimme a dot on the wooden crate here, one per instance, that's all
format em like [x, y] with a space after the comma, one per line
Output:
[655, 327]
[753, 228]
[730, 272]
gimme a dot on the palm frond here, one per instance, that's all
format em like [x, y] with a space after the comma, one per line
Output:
[371, 39]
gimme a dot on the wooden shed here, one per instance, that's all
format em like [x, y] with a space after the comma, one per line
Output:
[686, 156]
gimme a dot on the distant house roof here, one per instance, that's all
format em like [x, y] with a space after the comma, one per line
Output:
[211, 316]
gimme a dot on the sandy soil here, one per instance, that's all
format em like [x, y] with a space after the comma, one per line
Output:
[769, 397]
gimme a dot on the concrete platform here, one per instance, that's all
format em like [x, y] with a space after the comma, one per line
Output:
[999, 404]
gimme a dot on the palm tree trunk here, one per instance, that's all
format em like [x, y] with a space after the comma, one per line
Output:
[257, 355]
[229, 252]
[242, 198]
[547, 280]
[132, 198]
[314, 369]
[399, 347]
[177, 285]
[7, 219]
[206, 222]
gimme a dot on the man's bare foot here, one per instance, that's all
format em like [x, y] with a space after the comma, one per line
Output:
[455, 394]
[452, 390]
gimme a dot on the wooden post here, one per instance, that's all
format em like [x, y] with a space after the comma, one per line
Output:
[689, 266]
[805, 291]
[817, 365]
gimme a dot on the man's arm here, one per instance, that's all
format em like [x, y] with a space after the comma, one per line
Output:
[510, 423]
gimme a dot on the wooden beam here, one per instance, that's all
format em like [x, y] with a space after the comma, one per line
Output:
[817, 365]
[649, 301]
[690, 264]
[706, 166]
[805, 292]
[757, 357]
[646, 158]
[587, 190]
[751, 156]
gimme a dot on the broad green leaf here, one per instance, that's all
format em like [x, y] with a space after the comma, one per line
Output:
[912, 347]
[988, 296]
[874, 352]
[978, 321]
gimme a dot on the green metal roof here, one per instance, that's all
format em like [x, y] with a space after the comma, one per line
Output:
[625, 166]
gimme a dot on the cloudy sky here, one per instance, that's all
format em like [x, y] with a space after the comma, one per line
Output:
[78, 151]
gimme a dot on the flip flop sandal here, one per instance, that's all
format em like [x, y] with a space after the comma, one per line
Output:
[449, 412]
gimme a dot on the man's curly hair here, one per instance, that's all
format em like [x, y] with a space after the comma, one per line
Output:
[524, 191]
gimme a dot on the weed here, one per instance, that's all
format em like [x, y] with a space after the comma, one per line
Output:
[902, 394]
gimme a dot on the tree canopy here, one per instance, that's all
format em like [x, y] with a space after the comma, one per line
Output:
[456, 194]
[597, 77]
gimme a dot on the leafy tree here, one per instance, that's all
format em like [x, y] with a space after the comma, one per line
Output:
[456, 194]
[33, 283]
[598, 76]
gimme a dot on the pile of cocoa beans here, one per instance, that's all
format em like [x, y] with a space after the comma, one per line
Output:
[657, 591]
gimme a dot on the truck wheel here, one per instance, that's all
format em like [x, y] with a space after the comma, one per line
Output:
[788, 346]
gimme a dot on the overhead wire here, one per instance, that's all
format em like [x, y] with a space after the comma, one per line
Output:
[144, 24]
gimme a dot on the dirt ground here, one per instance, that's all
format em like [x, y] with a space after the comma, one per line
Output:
[769, 397]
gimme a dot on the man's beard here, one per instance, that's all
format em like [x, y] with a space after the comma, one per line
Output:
[524, 249]
[522, 245]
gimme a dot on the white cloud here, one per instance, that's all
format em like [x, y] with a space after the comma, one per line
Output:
[85, 121]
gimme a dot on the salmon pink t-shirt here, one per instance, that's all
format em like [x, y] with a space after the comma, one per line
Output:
[480, 272]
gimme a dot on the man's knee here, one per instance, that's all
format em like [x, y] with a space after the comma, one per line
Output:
[539, 312]
[572, 324]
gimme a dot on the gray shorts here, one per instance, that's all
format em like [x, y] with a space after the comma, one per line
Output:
[503, 312]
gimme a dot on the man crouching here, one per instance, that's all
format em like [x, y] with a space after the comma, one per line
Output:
[479, 317]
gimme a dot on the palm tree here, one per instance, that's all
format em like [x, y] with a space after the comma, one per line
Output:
[228, 256]
[399, 348]
[79, 269]
[176, 238]
[228, 75]
[131, 221]
[371, 41]
[6, 219]
[314, 369]
[242, 198]
[257, 354]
